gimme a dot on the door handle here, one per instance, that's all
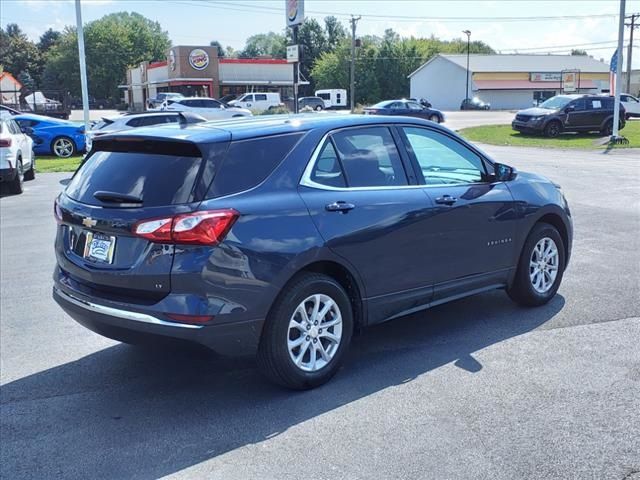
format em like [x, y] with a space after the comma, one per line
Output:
[339, 206]
[446, 200]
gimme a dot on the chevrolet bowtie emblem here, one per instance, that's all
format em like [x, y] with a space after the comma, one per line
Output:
[89, 222]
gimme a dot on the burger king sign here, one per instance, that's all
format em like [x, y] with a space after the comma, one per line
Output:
[198, 59]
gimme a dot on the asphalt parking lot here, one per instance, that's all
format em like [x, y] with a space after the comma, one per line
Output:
[479, 388]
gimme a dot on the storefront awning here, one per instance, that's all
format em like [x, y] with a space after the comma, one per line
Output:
[527, 85]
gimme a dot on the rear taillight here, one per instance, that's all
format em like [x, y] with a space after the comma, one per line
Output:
[5, 142]
[197, 228]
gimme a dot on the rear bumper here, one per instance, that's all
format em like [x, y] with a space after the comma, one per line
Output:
[122, 321]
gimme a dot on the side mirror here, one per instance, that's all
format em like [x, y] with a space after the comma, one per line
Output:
[569, 108]
[504, 173]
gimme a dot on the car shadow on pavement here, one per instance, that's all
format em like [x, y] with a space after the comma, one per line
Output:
[124, 412]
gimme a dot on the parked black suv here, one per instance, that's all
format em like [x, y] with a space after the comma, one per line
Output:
[569, 113]
[314, 102]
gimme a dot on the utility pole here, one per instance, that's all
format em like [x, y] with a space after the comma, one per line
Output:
[353, 21]
[296, 70]
[468, 34]
[616, 106]
[83, 67]
[633, 26]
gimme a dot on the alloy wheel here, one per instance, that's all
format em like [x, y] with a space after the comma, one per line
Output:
[543, 265]
[315, 331]
[63, 147]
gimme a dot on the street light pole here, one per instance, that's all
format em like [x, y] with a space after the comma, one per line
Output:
[83, 67]
[468, 34]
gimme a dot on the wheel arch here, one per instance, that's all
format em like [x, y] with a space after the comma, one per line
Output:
[556, 221]
[340, 273]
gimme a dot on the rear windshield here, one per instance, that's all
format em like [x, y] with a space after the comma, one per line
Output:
[158, 179]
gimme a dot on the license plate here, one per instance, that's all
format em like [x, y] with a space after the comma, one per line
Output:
[99, 247]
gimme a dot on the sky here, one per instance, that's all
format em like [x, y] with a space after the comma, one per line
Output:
[588, 24]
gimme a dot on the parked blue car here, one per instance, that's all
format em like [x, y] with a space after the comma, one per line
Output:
[406, 108]
[282, 236]
[52, 136]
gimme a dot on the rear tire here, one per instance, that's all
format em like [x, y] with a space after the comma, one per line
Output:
[294, 332]
[434, 118]
[318, 108]
[552, 129]
[16, 186]
[540, 267]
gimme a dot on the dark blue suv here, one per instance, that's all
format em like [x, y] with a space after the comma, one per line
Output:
[280, 236]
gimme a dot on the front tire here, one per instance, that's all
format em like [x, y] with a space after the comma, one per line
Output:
[16, 186]
[540, 267]
[553, 129]
[31, 173]
[306, 333]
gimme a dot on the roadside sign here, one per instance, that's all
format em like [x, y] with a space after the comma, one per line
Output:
[570, 81]
[294, 12]
[293, 53]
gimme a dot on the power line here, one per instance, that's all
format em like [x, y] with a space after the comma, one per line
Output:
[407, 18]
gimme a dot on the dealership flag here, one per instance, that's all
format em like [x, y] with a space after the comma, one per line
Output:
[613, 68]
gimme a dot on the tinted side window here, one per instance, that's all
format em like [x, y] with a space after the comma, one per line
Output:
[580, 105]
[248, 98]
[442, 159]
[134, 122]
[369, 157]
[327, 170]
[210, 104]
[248, 162]
[260, 97]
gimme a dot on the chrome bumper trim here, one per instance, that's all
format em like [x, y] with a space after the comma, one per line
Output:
[116, 312]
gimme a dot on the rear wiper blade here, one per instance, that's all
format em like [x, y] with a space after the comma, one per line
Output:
[115, 197]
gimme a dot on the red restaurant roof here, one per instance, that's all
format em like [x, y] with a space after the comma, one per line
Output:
[157, 64]
[525, 84]
[263, 61]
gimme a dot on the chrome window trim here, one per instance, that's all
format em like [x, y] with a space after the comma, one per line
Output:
[124, 314]
[306, 181]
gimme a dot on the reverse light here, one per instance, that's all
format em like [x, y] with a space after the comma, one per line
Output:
[207, 227]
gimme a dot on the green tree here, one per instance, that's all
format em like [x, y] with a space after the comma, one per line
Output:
[221, 50]
[334, 32]
[112, 44]
[269, 44]
[48, 39]
[18, 54]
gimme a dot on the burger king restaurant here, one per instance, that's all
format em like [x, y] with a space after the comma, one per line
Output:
[199, 72]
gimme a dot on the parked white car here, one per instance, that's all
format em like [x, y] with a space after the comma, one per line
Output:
[17, 162]
[631, 105]
[136, 120]
[333, 97]
[209, 108]
[258, 101]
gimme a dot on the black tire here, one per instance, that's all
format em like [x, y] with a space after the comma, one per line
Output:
[553, 129]
[607, 130]
[273, 357]
[31, 173]
[16, 186]
[434, 118]
[522, 290]
[74, 148]
[318, 108]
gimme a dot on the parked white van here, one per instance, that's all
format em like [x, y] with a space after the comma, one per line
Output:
[333, 98]
[257, 101]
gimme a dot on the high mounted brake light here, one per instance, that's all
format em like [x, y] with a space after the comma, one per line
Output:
[207, 227]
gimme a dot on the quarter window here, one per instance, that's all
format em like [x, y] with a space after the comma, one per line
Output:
[327, 170]
[443, 160]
